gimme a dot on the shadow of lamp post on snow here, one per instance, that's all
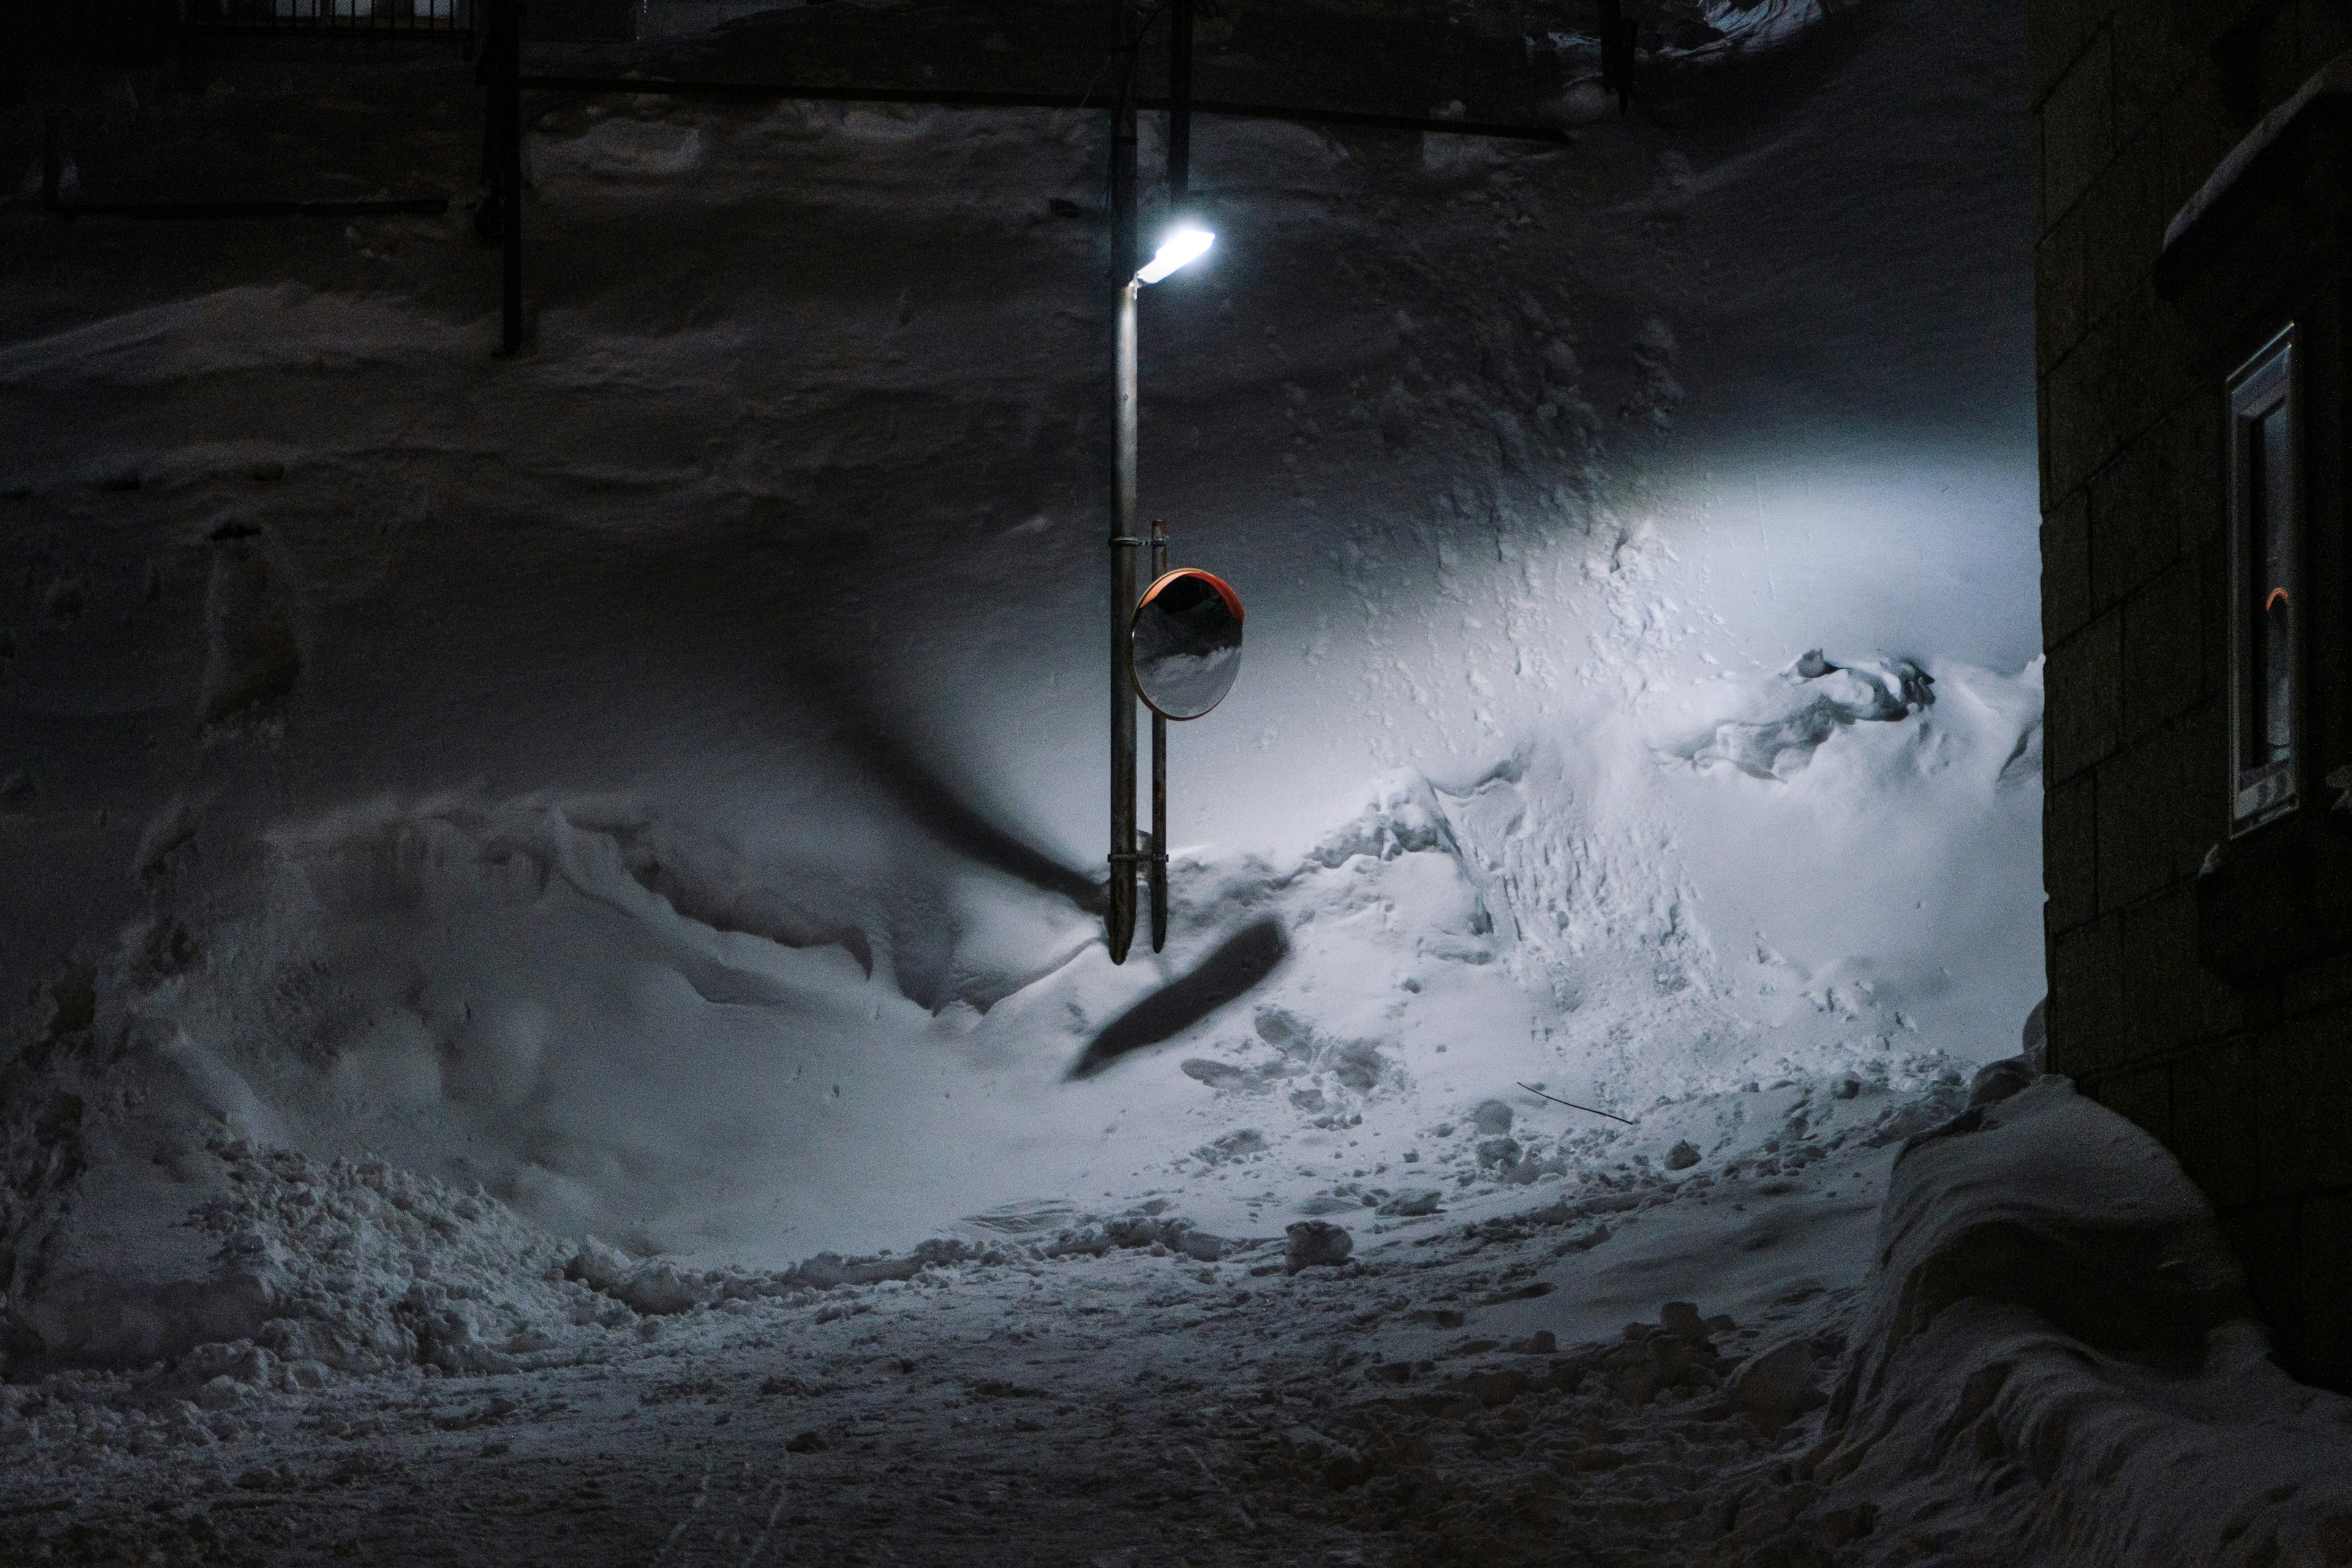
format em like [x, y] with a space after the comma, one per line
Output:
[1232, 972]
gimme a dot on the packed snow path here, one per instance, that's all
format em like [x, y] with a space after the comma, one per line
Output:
[1120, 1405]
[1130, 1410]
[2044, 1360]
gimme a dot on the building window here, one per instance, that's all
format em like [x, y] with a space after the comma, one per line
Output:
[2265, 590]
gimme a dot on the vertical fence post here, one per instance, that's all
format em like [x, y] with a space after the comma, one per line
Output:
[1180, 105]
[506, 122]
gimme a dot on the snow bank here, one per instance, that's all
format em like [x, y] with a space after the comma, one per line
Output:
[615, 1019]
[2059, 1365]
[650, 783]
[147, 1218]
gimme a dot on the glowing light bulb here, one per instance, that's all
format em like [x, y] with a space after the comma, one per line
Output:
[1186, 244]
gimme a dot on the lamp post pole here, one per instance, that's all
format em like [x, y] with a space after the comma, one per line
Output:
[1123, 539]
[1183, 244]
[1122, 607]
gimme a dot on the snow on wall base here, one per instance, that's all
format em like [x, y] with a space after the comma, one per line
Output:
[2059, 1363]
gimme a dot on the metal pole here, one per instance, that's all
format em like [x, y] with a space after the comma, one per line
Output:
[1159, 861]
[1122, 612]
[1179, 109]
[507, 85]
[1121, 919]
[1123, 257]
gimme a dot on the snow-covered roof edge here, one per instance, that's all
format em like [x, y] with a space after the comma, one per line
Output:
[2333, 79]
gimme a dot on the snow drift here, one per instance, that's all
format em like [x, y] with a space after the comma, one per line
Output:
[2058, 1363]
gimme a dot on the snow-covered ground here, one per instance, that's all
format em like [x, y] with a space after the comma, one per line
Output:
[536, 862]
[2048, 1361]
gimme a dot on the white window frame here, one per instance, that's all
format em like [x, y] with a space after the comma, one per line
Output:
[2263, 790]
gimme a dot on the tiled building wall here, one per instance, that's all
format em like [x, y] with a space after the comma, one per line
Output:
[2135, 104]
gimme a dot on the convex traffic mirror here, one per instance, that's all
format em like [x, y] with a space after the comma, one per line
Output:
[1186, 643]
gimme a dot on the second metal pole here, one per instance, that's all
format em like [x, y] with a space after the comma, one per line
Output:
[1159, 861]
[1179, 173]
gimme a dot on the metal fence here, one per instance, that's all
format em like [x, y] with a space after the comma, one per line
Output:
[331, 15]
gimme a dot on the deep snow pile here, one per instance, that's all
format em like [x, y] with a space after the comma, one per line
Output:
[1353, 1032]
[144, 1230]
[498, 968]
[653, 781]
[2059, 1362]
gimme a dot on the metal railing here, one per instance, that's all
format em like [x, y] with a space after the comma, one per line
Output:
[329, 16]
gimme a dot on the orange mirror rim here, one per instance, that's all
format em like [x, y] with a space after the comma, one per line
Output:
[1224, 589]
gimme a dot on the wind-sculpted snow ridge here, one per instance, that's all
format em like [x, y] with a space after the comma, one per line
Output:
[1742, 26]
[620, 1018]
[459, 850]
[2059, 1365]
[1828, 699]
[1696, 32]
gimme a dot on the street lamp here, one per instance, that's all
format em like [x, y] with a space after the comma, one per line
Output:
[1185, 244]
[1181, 247]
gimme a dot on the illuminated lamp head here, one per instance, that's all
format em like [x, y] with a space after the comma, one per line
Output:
[1184, 245]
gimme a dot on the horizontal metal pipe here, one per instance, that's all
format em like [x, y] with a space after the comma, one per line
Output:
[429, 206]
[685, 87]
[1496, 130]
[679, 87]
